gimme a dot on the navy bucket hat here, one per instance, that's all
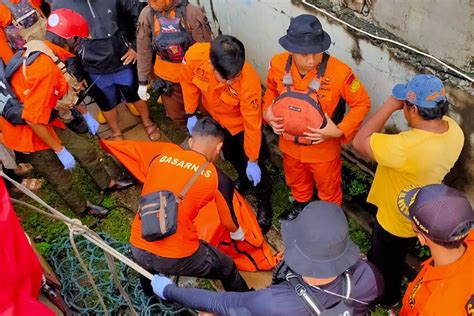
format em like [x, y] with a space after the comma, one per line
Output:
[305, 35]
[317, 242]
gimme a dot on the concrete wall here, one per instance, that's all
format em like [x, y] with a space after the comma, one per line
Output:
[259, 24]
[449, 24]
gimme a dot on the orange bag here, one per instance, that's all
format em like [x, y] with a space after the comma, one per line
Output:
[253, 253]
[300, 109]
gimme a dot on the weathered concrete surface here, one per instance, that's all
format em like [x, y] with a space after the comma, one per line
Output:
[259, 24]
[443, 28]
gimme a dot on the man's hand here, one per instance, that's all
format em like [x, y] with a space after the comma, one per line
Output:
[143, 92]
[275, 122]
[319, 135]
[253, 172]
[81, 85]
[394, 104]
[238, 234]
[190, 124]
[129, 57]
[158, 283]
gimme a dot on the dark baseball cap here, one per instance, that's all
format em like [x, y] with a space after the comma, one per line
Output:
[305, 35]
[422, 90]
[441, 213]
[317, 242]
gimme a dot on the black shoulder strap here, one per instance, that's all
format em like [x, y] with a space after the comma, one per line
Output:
[312, 304]
[323, 65]
[16, 61]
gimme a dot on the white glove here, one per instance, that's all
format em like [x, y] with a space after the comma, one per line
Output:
[143, 93]
[238, 234]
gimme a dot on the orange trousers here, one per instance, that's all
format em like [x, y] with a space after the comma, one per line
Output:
[302, 177]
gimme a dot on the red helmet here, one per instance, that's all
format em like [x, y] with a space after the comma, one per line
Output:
[67, 23]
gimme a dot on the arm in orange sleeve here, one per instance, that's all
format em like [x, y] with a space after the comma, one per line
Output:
[224, 200]
[358, 100]
[251, 110]
[5, 19]
[271, 93]
[191, 93]
[136, 156]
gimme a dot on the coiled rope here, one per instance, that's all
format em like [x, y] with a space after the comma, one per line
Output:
[71, 274]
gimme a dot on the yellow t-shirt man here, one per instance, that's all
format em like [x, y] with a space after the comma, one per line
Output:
[414, 157]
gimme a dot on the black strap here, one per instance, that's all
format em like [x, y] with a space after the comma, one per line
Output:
[312, 304]
[323, 65]
[16, 61]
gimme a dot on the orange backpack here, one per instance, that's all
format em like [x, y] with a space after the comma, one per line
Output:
[300, 109]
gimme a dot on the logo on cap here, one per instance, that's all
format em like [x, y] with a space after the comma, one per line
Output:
[434, 96]
[411, 96]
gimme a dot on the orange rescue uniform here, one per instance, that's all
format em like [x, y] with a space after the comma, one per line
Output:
[443, 290]
[39, 92]
[237, 107]
[319, 163]
[169, 167]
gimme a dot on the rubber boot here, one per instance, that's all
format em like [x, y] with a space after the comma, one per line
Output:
[264, 214]
[293, 212]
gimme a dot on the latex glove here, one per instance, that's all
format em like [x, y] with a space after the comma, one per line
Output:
[66, 159]
[190, 124]
[158, 283]
[92, 124]
[143, 93]
[254, 173]
[238, 234]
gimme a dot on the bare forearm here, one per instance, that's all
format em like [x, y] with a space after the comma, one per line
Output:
[373, 125]
[46, 136]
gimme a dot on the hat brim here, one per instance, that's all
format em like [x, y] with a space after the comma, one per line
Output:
[298, 48]
[400, 91]
[306, 266]
[406, 198]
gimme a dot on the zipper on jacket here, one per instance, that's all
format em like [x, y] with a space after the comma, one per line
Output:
[90, 9]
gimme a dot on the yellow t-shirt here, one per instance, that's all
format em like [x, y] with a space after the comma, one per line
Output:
[415, 157]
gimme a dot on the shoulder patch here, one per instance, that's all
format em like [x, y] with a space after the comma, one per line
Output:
[355, 85]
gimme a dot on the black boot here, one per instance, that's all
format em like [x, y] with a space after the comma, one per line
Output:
[294, 211]
[264, 214]
[96, 210]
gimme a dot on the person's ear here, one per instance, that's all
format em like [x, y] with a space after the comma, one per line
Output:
[219, 147]
[190, 142]
[421, 238]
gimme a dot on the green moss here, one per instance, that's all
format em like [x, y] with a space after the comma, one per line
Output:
[359, 236]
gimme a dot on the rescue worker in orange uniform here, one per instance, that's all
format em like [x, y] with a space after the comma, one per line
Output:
[169, 167]
[40, 85]
[228, 87]
[189, 25]
[443, 220]
[318, 163]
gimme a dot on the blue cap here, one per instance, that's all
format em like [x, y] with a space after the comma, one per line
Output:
[423, 90]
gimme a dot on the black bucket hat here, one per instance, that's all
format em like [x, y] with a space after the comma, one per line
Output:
[317, 242]
[305, 35]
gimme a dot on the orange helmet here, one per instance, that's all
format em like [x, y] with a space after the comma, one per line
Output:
[67, 23]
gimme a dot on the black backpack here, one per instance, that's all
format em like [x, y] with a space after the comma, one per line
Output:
[174, 38]
[10, 107]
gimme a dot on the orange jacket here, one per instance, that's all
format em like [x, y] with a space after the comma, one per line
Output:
[443, 290]
[237, 107]
[171, 170]
[5, 20]
[337, 82]
[39, 92]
